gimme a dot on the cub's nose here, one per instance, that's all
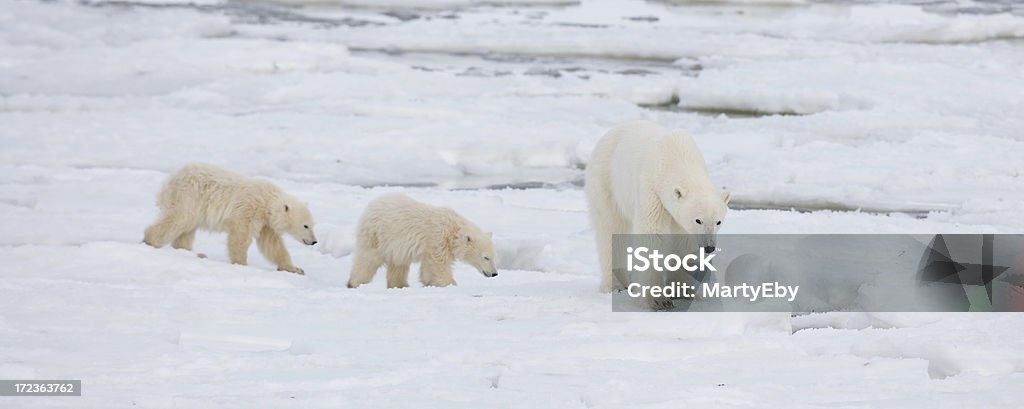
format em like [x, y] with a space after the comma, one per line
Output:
[709, 249]
[312, 242]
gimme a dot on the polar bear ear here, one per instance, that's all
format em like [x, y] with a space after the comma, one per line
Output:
[680, 192]
[725, 197]
[490, 234]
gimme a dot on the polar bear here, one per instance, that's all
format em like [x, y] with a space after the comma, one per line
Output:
[202, 196]
[397, 231]
[643, 178]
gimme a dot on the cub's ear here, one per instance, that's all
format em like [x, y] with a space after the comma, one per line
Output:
[286, 208]
[680, 192]
[725, 197]
[490, 234]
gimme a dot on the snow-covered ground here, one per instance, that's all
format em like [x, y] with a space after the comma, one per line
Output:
[914, 115]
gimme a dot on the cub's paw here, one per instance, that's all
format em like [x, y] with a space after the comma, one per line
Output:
[292, 269]
[441, 283]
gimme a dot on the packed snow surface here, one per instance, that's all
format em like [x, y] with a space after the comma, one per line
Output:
[865, 117]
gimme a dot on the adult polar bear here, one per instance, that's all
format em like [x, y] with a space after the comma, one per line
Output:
[643, 178]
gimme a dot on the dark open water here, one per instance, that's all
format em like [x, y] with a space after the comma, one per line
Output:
[949, 6]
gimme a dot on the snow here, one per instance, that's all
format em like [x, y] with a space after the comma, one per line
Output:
[912, 116]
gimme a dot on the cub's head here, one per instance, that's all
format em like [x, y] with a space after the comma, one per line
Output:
[699, 212]
[297, 221]
[474, 247]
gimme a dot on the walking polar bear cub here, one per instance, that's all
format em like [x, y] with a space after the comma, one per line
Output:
[643, 178]
[397, 231]
[201, 196]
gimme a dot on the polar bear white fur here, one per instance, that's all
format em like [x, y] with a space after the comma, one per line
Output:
[201, 196]
[645, 179]
[397, 231]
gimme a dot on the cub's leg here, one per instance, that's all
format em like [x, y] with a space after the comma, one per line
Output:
[184, 240]
[273, 249]
[426, 276]
[398, 276]
[364, 266]
[239, 239]
[170, 225]
[438, 275]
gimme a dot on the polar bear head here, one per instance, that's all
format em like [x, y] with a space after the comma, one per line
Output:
[698, 212]
[295, 219]
[476, 248]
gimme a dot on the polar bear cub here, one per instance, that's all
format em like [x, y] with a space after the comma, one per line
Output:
[397, 231]
[645, 179]
[201, 196]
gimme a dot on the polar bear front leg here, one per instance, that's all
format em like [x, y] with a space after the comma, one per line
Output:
[170, 225]
[650, 219]
[426, 276]
[185, 240]
[398, 276]
[607, 221]
[437, 275]
[270, 244]
[365, 263]
[239, 239]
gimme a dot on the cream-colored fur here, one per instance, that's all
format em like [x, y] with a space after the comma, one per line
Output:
[201, 196]
[397, 231]
[645, 179]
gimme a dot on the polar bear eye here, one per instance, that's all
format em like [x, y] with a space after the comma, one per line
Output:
[698, 221]
[719, 223]
[487, 258]
[305, 226]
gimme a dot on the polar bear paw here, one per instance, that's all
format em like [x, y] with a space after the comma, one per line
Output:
[292, 269]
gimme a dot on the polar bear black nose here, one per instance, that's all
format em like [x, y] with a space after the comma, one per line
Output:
[709, 249]
[312, 243]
